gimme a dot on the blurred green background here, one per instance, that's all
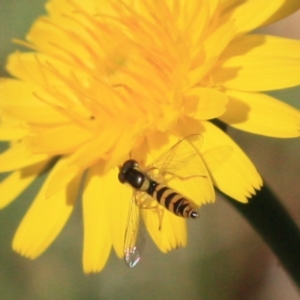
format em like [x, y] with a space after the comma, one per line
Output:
[224, 260]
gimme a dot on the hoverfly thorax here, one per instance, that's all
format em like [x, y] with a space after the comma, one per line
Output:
[131, 174]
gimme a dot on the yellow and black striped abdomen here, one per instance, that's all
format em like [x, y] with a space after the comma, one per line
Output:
[172, 200]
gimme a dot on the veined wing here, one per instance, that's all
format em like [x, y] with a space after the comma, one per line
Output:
[134, 240]
[178, 158]
[183, 169]
[216, 157]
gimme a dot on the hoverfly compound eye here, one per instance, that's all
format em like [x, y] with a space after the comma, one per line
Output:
[130, 164]
[122, 177]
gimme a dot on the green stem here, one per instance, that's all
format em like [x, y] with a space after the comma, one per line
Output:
[271, 220]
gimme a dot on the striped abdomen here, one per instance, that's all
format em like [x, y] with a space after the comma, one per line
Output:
[171, 200]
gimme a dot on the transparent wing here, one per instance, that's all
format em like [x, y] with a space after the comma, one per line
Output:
[183, 169]
[178, 158]
[216, 157]
[134, 239]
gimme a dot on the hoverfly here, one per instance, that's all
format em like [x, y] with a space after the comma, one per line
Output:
[131, 173]
[150, 183]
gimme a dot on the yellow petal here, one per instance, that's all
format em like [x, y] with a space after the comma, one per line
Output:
[14, 184]
[221, 36]
[114, 199]
[204, 62]
[259, 63]
[205, 103]
[59, 139]
[61, 29]
[19, 156]
[217, 156]
[97, 236]
[89, 154]
[101, 147]
[44, 220]
[49, 82]
[57, 8]
[12, 133]
[287, 8]
[20, 99]
[62, 174]
[31, 68]
[261, 114]
[249, 15]
[119, 197]
[213, 7]
[167, 230]
[193, 19]
[236, 176]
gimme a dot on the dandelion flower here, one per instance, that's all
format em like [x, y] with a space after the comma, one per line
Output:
[103, 81]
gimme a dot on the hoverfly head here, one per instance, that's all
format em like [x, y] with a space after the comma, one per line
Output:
[123, 170]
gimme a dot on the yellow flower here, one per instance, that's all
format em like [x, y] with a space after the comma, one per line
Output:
[108, 80]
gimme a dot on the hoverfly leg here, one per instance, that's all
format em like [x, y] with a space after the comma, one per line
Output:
[159, 210]
[160, 214]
